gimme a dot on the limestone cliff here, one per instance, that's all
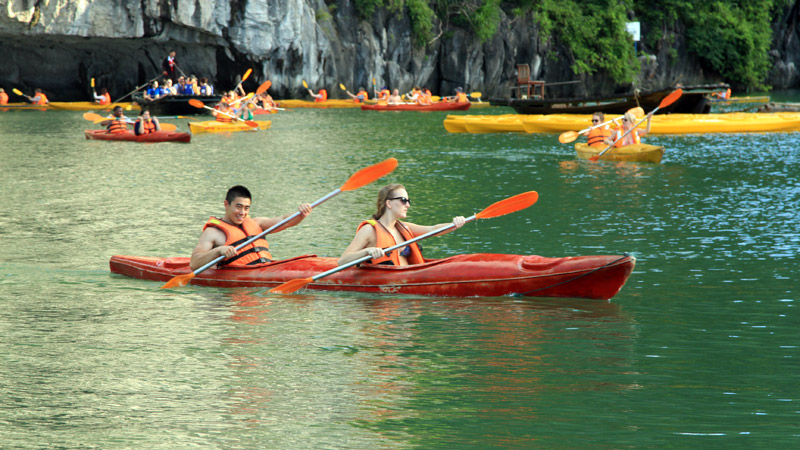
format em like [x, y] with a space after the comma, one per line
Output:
[59, 45]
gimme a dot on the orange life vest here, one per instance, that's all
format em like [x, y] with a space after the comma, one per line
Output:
[364, 93]
[324, 95]
[461, 97]
[106, 99]
[597, 136]
[384, 95]
[42, 99]
[3, 98]
[222, 117]
[619, 132]
[385, 240]
[146, 127]
[256, 252]
[117, 126]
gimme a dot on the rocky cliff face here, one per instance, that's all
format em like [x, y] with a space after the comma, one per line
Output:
[60, 45]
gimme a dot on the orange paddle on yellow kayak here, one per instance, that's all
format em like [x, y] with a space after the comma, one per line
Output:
[198, 104]
[264, 87]
[569, 136]
[501, 208]
[668, 100]
[361, 178]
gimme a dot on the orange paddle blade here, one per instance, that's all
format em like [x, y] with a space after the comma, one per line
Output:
[168, 127]
[670, 99]
[291, 286]
[264, 87]
[509, 205]
[196, 103]
[246, 74]
[369, 174]
[567, 137]
[178, 281]
[92, 117]
[637, 111]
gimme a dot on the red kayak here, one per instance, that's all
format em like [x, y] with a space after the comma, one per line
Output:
[439, 106]
[128, 135]
[472, 275]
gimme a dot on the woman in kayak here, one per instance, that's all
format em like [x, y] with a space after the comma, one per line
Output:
[634, 137]
[146, 124]
[386, 230]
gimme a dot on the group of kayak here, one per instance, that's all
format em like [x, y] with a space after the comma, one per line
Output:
[417, 96]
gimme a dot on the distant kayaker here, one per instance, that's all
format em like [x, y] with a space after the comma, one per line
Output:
[223, 112]
[104, 98]
[634, 137]
[38, 98]
[596, 137]
[265, 101]
[320, 96]
[361, 97]
[3, 97]
[245, 112]
[383, 94]
[118, 123]
[460, 96]
[146, 124]
[221, 236]
[395, 98]
[386, 230]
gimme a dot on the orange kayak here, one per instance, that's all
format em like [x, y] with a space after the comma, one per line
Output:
[129, 136]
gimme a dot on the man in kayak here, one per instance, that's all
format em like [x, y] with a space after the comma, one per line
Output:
[3, 97]
[320, 96]
[38, 98]
[223, 112]
[104, 98]
[361, 97]
[221, 236]
[395, 98]
[386, 230]
[146, 124]
[597, 135]
[118, 123]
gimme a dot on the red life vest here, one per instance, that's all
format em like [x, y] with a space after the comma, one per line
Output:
[256, 252]
[117, 126]
[597, 136]
[385, 240]
[324, 95]
[146, 127]
[3, 98]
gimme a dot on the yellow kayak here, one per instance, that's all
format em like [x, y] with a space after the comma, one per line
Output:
[90, 106]
[506, 123]
[628, 153]
[677, 123]
[212, 126]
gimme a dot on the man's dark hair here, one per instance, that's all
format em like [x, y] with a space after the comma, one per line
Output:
[236, 192]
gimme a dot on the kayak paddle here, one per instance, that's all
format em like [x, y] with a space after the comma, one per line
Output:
[569, 136]
[244, 77]
[131, 92]
[198, 104]
[305, 85]
[501, 208]
[342, 87]
[264, 87]
[476, 95]
[361, 178]
[668, 100]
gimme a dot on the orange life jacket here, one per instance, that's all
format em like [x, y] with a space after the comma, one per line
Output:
[42, 99]
[256, 252]
[385, 240]
[364, 93]
[117, 126]
[461, 97]
[222, 117]
[384, 95]
[324, 95]
[106, 99]
[619, 132]
[146, 127]
[423, 98]
[3, 98]
[597, 136]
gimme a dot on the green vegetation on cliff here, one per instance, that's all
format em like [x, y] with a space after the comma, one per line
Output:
[730, 37]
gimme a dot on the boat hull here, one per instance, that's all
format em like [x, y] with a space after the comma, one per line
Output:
[129, 136]
[472, 275]
[678, 123]
[628, 153]
[90, 106]
[213, 126]
[439, 106]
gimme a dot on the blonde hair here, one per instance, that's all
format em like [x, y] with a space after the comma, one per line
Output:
[631, 118]
[384, 194]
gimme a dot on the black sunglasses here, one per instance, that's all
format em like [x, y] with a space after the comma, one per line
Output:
[403, 200]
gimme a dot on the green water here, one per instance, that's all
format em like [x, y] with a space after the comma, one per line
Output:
[700, 349]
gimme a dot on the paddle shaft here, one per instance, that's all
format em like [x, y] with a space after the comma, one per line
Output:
[390, 249]
[223, 112]
[133, 91]
[267, 231]
[626, 133]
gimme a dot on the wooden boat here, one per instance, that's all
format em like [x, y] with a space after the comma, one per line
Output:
[693, 101]
[213, 126]
[129, 136]
[677, 123]
[90, 106]
[178, 105]
[438, 106]
[472, 275]
[628, 153]
[736, 100]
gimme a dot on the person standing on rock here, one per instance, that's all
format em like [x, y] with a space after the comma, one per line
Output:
[170, 67]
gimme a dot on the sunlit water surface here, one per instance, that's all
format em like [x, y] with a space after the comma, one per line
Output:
[699, 349]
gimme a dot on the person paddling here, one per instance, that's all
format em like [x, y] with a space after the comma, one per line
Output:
[104, 98]
[628, 121]
[460, 96]
[386, 230]
[38, 98]
[146, 124]
[395, 98]
[597, 137]
[320, 96]
[3, 97]
[383, 94]
[118, 123]
[361, 97]
[221, 235]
